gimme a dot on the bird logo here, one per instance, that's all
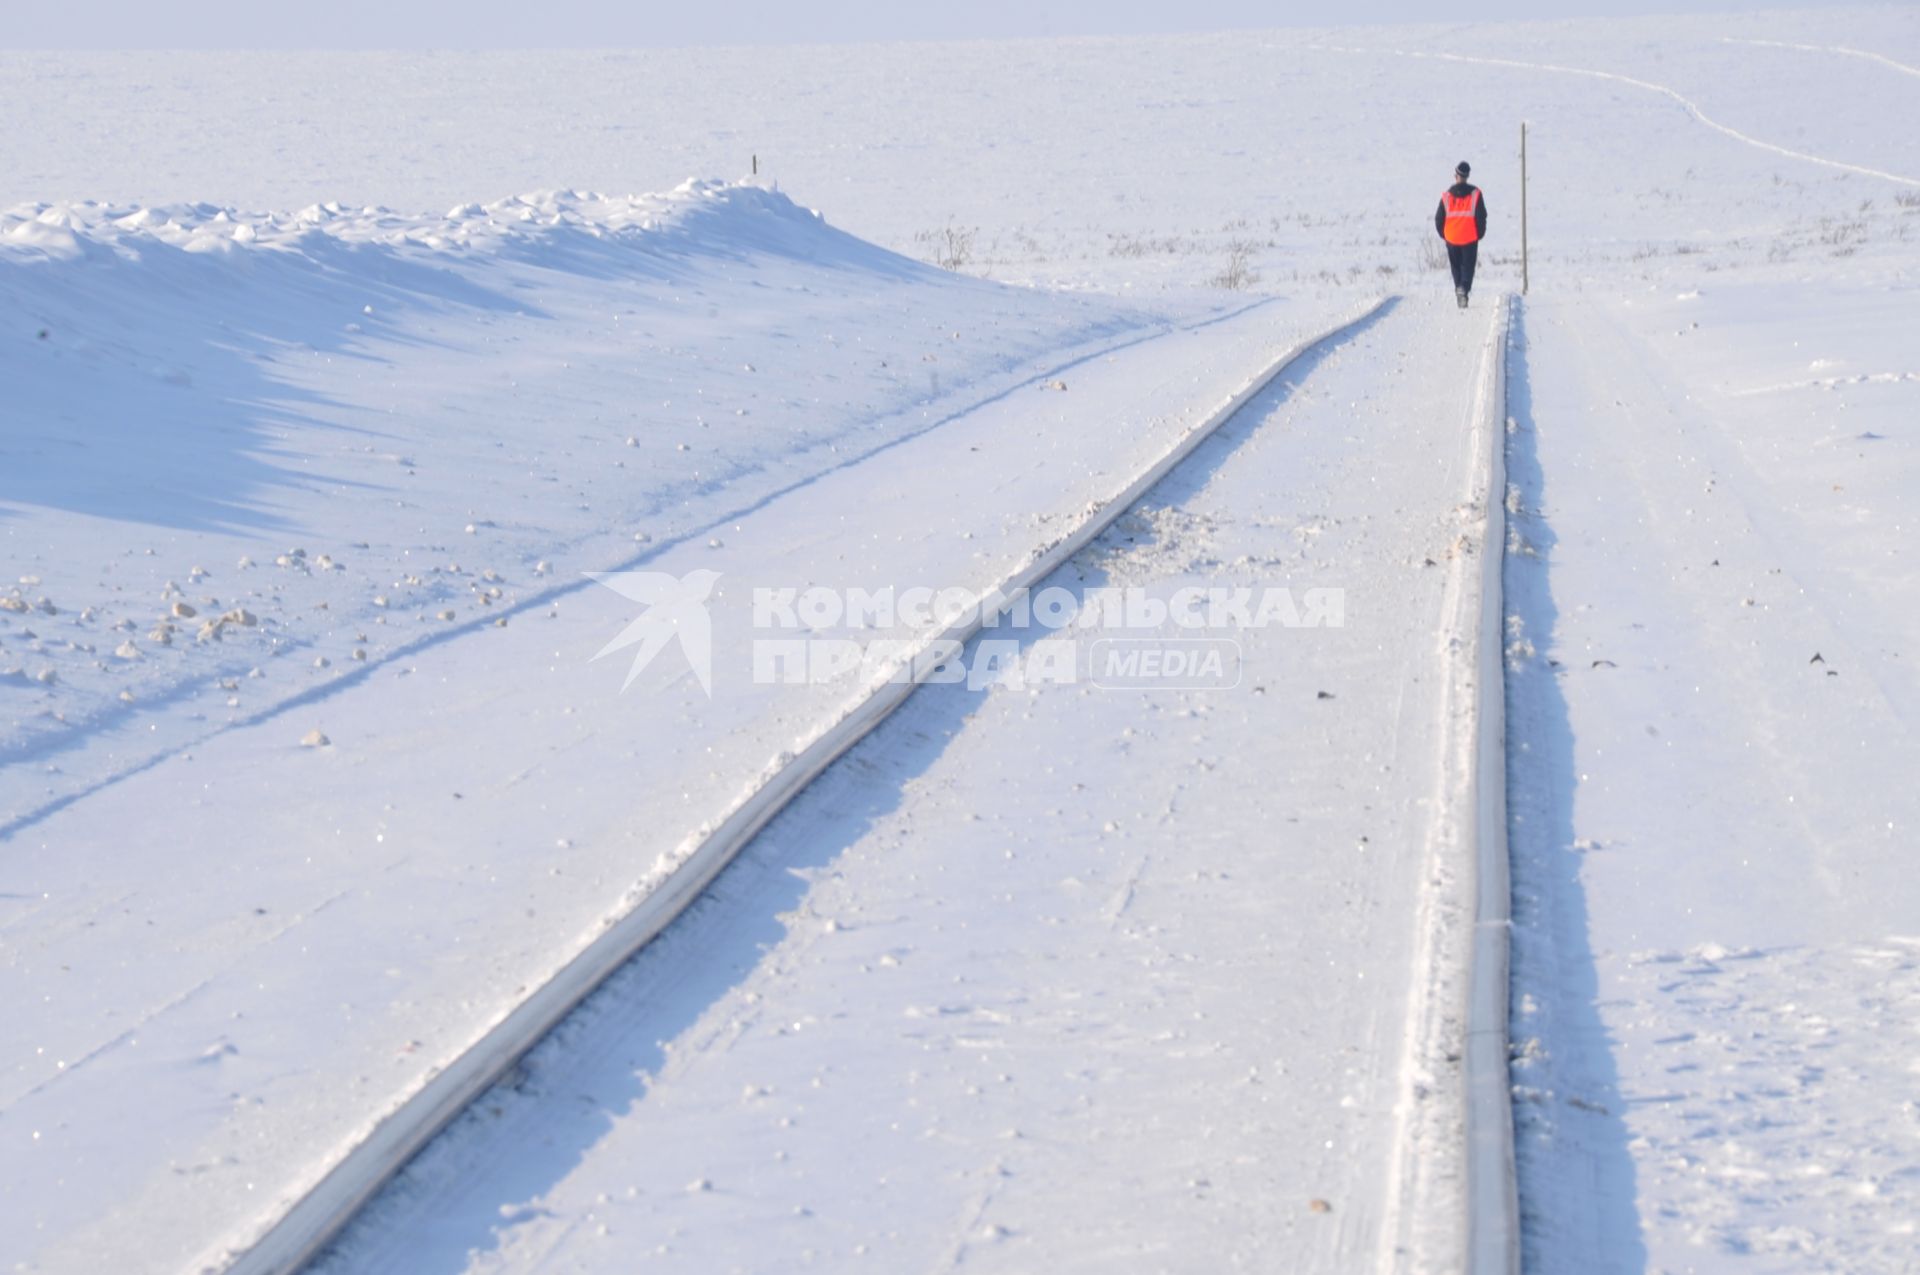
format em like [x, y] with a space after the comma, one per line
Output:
[676, 608]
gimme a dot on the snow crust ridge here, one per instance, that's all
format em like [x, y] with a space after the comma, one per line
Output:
[699, 213]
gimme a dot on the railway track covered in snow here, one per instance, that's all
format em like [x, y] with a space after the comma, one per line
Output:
[316, 804]
[1400, 1194]
[321, 1212]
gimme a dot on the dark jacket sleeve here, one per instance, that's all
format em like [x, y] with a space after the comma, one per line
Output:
[1480, 217]
[1440, 218]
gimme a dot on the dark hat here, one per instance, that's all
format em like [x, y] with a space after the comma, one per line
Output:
[1462, 168]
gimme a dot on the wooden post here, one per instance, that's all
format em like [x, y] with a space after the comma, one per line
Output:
[1523, 209]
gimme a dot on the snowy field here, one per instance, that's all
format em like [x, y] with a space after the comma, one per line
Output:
[308, 772]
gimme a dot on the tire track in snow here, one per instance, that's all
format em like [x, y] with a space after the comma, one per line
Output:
[1687, 104]
[1881, 58]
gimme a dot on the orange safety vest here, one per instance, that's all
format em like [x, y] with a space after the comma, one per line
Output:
[1462, 224]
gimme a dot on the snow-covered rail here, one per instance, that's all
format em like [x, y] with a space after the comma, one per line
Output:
[1452, 1197]
[1493, 1221]
[306, 1226]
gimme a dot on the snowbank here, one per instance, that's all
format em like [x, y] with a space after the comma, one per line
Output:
[362, 428]
[698, 217]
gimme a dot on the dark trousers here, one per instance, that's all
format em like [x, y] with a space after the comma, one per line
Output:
[1461, 256]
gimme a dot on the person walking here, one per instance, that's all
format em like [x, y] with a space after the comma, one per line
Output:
[1461, 220]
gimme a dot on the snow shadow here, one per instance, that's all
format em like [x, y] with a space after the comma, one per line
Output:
[1576, 1172]
[141, 378]
[145, 388]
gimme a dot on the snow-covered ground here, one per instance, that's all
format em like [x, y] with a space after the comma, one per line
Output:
[1712, 672]
[1038, 948]
[387, 444]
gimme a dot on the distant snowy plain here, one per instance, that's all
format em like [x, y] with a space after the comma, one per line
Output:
[267, 473]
